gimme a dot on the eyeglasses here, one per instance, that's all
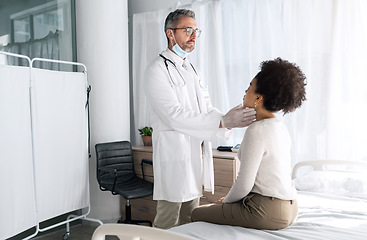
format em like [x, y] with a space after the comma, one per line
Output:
[190, 31]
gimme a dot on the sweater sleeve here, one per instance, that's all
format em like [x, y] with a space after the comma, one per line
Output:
[250, 156]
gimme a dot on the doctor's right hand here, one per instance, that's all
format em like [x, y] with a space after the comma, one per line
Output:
[239, 117]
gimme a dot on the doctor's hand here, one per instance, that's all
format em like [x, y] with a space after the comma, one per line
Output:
[239, 117]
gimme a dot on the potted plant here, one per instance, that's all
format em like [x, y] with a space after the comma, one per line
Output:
[146, 135]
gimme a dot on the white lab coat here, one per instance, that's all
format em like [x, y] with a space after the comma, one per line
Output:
[182, 118]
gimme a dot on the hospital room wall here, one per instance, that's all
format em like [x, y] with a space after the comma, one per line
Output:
[102, 45]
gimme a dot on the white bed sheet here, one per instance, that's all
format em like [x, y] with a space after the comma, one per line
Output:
[321, 216]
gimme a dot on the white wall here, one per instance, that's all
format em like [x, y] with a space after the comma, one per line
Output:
[102, 45]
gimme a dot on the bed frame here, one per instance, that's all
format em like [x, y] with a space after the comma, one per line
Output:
[320, 165]
[135, 232]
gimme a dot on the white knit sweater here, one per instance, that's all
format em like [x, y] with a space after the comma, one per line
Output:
[265, 162]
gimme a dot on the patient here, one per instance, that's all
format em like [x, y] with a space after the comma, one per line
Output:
[263, 195]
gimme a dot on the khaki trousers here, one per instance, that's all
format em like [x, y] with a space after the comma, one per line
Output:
[254, 211]
[170, 214]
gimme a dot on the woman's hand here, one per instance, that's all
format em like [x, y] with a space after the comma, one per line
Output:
[219, 201]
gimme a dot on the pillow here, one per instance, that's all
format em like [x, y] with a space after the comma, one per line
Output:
[348, 184]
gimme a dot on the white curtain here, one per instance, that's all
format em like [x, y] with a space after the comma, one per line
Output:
[43, 146]
[17, 201]
[47, 47]
[145, 48]
[327, 39]
[60, 142]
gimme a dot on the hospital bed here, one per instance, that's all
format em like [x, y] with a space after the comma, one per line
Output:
[332, 199]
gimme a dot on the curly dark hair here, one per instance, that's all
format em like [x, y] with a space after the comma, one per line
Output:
[282, 85]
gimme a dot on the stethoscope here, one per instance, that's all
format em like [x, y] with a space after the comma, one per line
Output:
[169, 73]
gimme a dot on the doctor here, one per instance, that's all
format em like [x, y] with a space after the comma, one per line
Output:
[184, 121]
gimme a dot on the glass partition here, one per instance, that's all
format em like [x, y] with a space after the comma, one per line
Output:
[38, 28]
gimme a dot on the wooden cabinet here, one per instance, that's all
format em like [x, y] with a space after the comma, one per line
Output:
[225, 171]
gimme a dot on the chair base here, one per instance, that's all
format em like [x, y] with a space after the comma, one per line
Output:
[128, 219]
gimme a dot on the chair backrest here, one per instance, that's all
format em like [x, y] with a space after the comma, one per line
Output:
[114, 155]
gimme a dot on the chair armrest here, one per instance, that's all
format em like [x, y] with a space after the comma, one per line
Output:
[114, 172]
[145, 162]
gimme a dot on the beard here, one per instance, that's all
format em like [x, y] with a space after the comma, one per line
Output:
[188, 46]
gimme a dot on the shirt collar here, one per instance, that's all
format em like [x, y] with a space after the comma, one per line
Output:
[176, 59]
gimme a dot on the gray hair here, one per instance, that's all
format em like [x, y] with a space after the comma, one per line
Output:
[173, 18]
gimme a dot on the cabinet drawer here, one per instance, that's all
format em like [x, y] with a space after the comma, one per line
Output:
[224, 172]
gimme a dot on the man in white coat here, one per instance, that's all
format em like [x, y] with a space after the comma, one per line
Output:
[184, 121]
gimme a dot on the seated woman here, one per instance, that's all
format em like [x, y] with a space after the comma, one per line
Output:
[263, 195]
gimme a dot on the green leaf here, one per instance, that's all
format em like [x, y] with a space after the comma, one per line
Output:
[146, 131]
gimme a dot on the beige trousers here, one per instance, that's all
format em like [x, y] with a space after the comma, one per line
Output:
[170, 214]
[254, 211]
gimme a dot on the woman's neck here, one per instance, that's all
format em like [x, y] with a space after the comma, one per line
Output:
[263, 114]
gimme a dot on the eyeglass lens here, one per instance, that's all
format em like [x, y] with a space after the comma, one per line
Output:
[190, 31]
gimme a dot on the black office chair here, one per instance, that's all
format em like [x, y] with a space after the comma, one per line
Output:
[115, 173]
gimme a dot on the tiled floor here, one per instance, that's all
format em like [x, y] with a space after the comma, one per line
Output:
[79, 232]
